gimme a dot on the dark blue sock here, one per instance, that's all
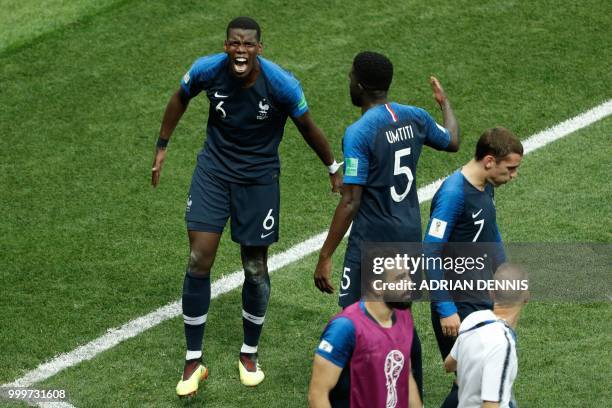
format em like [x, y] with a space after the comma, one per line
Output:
[196, 299]
[255, 297]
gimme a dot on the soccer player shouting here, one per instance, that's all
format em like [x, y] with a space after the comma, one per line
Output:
[236, 177]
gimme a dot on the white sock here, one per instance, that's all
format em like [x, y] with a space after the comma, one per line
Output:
[192, 355]
[248, 349]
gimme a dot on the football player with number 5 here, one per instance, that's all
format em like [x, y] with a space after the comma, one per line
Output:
[381, 151]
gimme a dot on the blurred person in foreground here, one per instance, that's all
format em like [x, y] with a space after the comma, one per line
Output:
[484, 354]
[363, 358]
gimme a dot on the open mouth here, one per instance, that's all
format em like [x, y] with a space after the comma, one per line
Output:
[240, 65]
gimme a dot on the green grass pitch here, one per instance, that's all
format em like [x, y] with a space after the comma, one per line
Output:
[87, 244]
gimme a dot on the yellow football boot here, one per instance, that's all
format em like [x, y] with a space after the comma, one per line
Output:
[189, 387]
[250, 372]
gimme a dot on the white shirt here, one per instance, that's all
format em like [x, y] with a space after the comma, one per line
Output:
[486, 361]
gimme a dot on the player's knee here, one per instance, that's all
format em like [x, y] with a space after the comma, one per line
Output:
[255, 271]
[199, 265]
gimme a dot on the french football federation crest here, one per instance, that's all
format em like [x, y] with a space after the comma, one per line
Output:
[263, 109]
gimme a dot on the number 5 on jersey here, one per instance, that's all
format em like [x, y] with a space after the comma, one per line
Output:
[398, 169]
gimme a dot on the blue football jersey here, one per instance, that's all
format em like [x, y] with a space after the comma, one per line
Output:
[245, 125]
[381, 152]
[462, 213]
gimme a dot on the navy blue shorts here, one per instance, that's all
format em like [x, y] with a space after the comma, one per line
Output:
[253, 208]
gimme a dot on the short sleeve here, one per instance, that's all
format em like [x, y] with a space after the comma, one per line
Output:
[356, 159]
[200, 73]
[436, 136]
[287, 89]
[337, 342]
[296, 102]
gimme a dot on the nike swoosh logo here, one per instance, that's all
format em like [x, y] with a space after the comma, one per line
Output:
[218, 95]
[342, 294]
[266, 235]
[474, 215]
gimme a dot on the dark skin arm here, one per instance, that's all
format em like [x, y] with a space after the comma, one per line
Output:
[450, 122]
[174, 111]
[449, 324]
[343, 217]
[317, 142]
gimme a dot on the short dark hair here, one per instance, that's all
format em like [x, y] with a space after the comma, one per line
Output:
[374, 71]
[245, 23]
[498, 142]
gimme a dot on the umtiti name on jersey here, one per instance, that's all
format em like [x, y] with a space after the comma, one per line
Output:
[399, 134]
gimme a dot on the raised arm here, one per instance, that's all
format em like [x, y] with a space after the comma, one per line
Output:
[450, 122]
[317, 142]
[177, 105]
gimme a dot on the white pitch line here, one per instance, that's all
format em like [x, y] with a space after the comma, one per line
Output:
[58, 404]
[567, 127]
[229, 282]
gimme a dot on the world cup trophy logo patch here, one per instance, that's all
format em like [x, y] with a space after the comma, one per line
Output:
[394, 362]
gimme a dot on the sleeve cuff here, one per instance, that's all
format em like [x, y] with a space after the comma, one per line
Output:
[446, 309]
